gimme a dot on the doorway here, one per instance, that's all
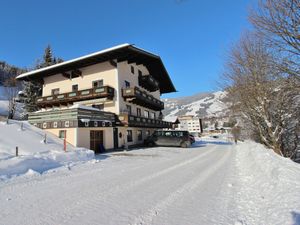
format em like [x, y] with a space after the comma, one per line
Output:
[116, 138]
[96, 141]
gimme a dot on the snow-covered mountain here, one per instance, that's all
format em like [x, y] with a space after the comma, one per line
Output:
[204, 105]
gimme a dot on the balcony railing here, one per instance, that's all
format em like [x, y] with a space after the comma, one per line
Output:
[67, 118]
[148, 82]
[137, 121]
[70, 97]
[139, 97]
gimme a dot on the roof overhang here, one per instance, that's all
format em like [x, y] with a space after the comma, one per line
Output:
[120, 53]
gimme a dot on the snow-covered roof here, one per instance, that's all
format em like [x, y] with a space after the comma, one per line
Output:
[123, 52]
[73, 60]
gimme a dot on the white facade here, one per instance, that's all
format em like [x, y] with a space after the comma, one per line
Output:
[189, 123]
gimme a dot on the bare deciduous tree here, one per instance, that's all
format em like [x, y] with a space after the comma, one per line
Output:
[263, 93]
[279, 22]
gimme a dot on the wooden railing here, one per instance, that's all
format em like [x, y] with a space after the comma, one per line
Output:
[100, 92]
[142, 98]
[148, 82]
[137, 121]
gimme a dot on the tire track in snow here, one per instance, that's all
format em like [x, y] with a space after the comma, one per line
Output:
[71, 211]
[92, 204]
[148, 217]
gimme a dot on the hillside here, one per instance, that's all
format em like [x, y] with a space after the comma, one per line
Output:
[204, 105]
[34, 154]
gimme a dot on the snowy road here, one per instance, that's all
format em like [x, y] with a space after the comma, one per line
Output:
[151, 186]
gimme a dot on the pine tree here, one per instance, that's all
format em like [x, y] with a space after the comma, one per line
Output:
[32, 89]
[48, 58]
[30, 94]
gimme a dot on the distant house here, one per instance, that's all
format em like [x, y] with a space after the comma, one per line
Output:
[105, 100]
[192, 124]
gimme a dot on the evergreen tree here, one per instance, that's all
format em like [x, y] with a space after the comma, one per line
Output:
[32, 89]
[48, 58]
[30, 94]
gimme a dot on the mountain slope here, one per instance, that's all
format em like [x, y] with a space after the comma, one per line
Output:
[203, 105]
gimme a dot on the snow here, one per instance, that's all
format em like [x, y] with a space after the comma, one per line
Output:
[73, 60]
[34, 154]
[3, 102]
[172, 116]
[213, 182]
[269, 186]
[214, 106]
[4, 105]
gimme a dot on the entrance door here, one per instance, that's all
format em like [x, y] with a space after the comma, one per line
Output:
[116, 138]
[96, 141]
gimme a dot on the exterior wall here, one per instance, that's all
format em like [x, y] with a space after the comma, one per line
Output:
[124, 74]
[80, 137]
[135, 141]
[71, 134]
[100, 71]
[190, 124]
[83, 135]
[114, 77]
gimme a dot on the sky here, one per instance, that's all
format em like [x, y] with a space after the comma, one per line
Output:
[191, 36]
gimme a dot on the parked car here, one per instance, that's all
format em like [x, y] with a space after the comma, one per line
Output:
[192, 138]
[169, 138]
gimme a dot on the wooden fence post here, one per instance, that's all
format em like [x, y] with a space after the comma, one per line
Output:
[17, 151]
[45, 138]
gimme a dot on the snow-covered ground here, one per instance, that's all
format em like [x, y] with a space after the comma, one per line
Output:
[214, 182]
[35, 156]
[205, 106]
[4, 105]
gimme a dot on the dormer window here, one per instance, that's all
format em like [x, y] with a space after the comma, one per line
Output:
[132, 69]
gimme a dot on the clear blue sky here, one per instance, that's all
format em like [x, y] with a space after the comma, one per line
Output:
[191, 36]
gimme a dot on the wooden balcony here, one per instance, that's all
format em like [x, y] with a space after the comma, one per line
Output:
[73, 117]
[148, 82]
[139, 97]
[137, 121]
[70, 97]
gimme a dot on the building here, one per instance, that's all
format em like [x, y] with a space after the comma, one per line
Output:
[190, 123]
[105, 100]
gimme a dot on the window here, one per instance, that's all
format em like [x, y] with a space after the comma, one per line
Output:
[128, 109]
[152, 115]
[146, 114]
[147, 133]
[75, 87]
[100, 106]
[129, 135]
[62, 134]
[55, 91]
[138, 112]
[140, 73]
[97, 83]
[127, 84]
[140, 135]
[132, 69]
[168, 134]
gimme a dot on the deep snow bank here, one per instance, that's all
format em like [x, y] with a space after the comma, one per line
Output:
[34, 154]
[268, 188]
